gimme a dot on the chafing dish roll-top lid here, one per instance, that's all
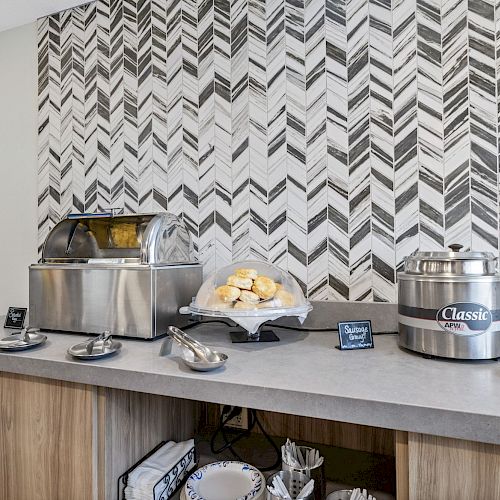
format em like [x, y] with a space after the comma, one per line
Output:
[452, 263]
[104, 238]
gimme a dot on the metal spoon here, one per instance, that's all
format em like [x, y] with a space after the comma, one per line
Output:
[201, 351]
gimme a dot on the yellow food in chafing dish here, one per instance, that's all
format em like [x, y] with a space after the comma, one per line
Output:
[243, 283]
[264, 287]
[124, 235]
[249, 297]
[228, 293]
[246, 273]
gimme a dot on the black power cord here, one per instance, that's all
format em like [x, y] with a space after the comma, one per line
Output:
[277, 450]
[198, 323]
[283, 327]
[229, 443]
[223, 420]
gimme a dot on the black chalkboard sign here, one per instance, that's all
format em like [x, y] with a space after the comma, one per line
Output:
[355, 335]
[15, 317]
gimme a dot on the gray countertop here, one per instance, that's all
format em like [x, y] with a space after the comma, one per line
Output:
[303, 374]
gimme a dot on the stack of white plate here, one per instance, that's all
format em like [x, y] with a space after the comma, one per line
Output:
[225, 481]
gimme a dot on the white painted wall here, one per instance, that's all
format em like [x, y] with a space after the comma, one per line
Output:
[17, 12]
[18, 163]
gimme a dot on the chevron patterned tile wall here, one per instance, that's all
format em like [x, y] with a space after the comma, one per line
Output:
[332, 137]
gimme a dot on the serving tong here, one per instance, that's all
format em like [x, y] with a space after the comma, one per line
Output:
[24, 336]
[202, 352]
[25, 339]
[105, 337]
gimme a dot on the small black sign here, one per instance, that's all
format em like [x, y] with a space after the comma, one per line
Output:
[355, 335]
[15, 317]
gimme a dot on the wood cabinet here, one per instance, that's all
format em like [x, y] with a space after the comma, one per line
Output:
[438, 468]
[46, 439]
[61, 441]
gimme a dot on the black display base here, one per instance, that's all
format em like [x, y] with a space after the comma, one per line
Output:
[242, 337]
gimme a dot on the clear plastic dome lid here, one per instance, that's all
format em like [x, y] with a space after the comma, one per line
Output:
[250, 289]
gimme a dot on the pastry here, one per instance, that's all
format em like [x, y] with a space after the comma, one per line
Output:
[264, 287]
[244, 305]
[228, 293]
[246, 273]
[267, 304]
[243, 283]
[217, 303]
[249, 297]
[284, 298]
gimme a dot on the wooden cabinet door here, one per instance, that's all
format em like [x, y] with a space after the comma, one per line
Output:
[440, 468]
[46, 443]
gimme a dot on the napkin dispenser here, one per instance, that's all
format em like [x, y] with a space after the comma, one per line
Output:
[166, 484]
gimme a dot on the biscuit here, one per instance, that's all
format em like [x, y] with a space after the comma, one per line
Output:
[217, 303]
[228, 293]
[246, 273]
[243, 283]
[249, 297]
[264, 287]
[266, 304]
[244, 305]
[284, 298]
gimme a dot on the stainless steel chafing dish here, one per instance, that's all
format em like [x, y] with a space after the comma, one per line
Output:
[128, 274]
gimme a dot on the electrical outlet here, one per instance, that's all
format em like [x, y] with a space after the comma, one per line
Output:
[240, 421]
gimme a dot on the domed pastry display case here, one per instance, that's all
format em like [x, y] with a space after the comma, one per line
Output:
[251, 293]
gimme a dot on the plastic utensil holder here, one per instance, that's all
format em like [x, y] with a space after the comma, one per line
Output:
[316, 473]
[294, 482]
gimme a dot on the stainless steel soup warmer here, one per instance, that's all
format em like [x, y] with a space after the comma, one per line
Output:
[449, 304]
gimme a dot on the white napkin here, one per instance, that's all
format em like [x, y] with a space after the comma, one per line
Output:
[142, 479]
